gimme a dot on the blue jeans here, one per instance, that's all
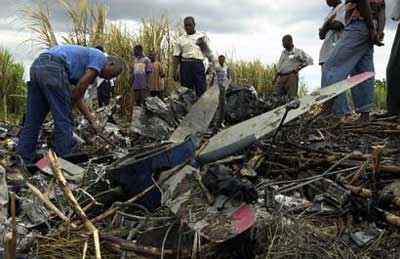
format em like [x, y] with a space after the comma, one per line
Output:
[47, 91]
[352, 55]
[341, 105]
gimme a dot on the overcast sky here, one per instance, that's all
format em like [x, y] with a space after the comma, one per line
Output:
[246, 29]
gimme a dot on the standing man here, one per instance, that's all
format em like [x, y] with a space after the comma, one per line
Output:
[392, 72]
[155, 85]
[191, 50]
[331, 32]
[225, 72]
[291, 62]
[220, 76]
[140, 75]
[365, 23]
[51, 75]
[104, 90]
[104, 87]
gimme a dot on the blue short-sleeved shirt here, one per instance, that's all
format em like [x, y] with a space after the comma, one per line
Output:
[78, 59]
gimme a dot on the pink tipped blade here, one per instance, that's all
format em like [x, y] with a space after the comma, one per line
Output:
[361, 78]
[244, 218]
[43, 164]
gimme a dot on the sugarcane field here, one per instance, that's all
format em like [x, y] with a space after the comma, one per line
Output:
[200, 130]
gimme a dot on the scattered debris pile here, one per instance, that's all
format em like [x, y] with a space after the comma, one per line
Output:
[319, 188]
[342, 179]
[158, 119]
[250, 103]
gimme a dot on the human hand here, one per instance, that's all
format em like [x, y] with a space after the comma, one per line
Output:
[201, 41]
[297, 70]
[211, 69]
[275, 79]
[96, 127]
[332, 18]
[322, 34]
[376, 38]
[381, 36]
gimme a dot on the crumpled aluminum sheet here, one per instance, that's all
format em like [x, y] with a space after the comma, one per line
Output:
[25, 236]
[33, 212]
[244, 97]
[181, 101]
[149, 125]
[157, 106]
[158, 119]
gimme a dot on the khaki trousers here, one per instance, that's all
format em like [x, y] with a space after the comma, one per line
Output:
[288, 85]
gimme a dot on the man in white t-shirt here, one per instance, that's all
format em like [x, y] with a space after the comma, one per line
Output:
[191, 50]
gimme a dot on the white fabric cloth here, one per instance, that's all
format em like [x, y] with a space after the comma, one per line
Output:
[187, 48]
[292, 60]
[91, 92]
[332, 36]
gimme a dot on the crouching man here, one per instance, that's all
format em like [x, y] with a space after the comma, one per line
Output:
[51, 75]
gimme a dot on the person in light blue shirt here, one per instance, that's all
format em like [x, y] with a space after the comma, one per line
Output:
[49, 91]
[225, 72]
[78, 59]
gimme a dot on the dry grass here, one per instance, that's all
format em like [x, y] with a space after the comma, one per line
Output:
[38, 21]
[12, 87]
[253, 73]
[88, 22]
[67, 247]
[298, 237]
[157, 35]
